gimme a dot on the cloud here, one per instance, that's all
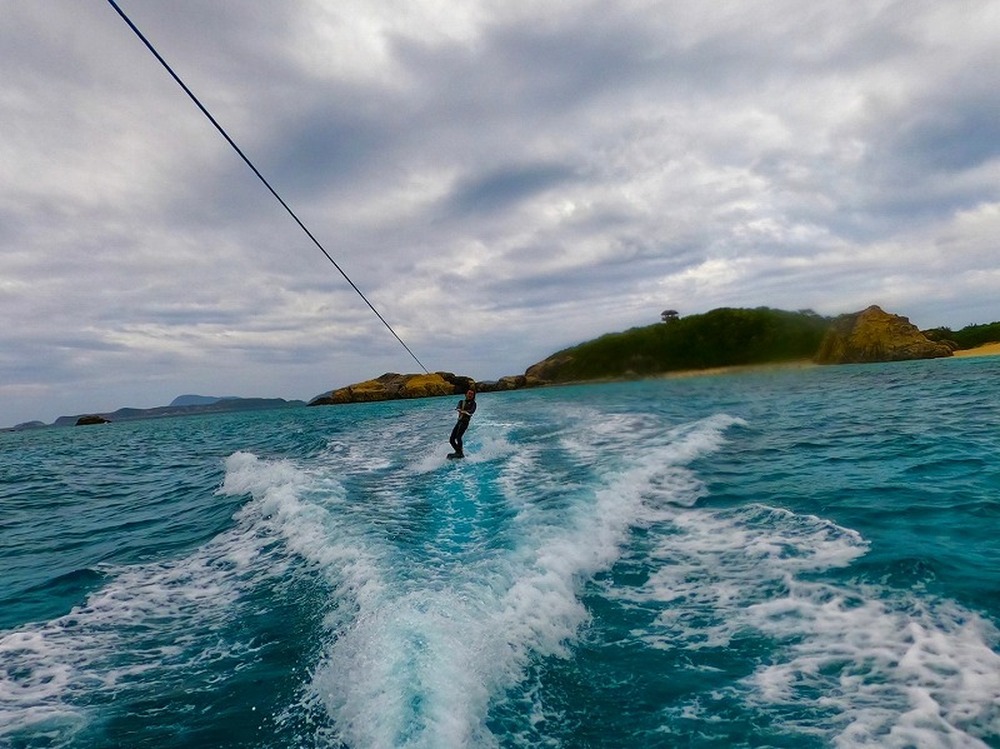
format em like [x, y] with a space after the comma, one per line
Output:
[506, 187]
[500, 181]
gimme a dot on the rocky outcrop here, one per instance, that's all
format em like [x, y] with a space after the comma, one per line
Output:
[392, 386]
[91, 419]
[508, 382]
[548, 370]
[874, 335]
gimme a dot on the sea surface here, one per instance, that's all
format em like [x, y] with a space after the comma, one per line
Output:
[787, 558]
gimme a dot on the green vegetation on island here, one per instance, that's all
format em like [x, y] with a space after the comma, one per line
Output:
[970, 336]
[720, 338]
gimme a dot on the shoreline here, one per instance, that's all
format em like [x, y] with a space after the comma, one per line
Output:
[740, 368]
[987, 349]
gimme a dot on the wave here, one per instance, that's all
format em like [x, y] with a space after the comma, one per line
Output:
[416, 658]
[163, 627]
[850, 664]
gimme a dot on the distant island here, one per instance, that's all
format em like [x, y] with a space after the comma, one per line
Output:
[184, 405]
[724, 337]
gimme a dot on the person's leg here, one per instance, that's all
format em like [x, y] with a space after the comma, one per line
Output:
[459, 430]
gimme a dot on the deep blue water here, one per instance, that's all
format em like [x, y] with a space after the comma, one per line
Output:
[794, 558]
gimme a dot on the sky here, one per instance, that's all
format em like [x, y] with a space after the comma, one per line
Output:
[501, 181]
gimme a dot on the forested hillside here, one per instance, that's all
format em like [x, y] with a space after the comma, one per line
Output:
[722, 337]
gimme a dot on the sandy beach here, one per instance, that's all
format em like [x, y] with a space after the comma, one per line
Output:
[738, 368]
[987, 349]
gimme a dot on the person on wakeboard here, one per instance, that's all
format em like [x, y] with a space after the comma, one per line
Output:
[465, 410]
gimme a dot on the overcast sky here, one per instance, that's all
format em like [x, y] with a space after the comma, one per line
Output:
[501, 180]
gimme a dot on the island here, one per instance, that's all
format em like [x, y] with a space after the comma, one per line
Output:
[721, 338]
[183, 405]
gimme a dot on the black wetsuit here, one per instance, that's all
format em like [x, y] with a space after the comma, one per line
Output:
[469, 406]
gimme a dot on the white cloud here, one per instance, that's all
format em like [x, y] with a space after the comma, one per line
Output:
[501, 181]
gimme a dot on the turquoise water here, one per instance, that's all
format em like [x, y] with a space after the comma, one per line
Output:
[800, 558]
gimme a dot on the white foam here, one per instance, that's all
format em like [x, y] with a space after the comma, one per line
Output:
[146, 618]
[410, 673]
[305, 509]
[488, 442]
[927, 677]
[418, 666]
[152, 622]
[33, 674]
[542, 608]
[879, 669]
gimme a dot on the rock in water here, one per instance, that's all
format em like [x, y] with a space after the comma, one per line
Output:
[874, 335]
[392, 386]
[89, 419]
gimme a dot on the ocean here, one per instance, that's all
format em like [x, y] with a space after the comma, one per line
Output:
[772, 558]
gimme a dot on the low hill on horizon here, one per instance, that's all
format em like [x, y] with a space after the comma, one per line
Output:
[200, 400]
[220, 405]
